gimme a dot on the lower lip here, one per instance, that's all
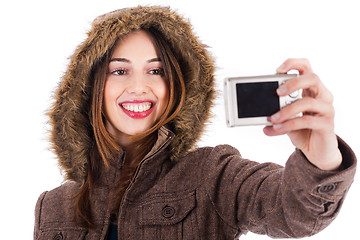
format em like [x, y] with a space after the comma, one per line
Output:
[137, 115]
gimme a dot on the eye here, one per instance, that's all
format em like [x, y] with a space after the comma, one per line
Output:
[119, 72]
[157, 71]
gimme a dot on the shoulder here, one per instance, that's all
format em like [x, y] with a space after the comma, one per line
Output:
[225, 162]
[216, 159]
[59, 195]
[202, 157]
[54, 214]
[56, 204]
[219, 155]
[219, 151]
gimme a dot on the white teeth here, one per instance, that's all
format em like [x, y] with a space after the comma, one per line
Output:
[137, 107]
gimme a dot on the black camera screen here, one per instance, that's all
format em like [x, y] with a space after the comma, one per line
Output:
[257, 99]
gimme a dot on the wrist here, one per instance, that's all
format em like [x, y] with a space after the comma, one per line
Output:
[330, 164]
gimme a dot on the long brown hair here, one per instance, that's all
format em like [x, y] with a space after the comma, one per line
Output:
[106, 149]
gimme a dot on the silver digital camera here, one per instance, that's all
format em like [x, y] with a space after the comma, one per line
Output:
[251, 100]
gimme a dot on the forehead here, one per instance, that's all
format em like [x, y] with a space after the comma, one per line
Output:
[136, 44]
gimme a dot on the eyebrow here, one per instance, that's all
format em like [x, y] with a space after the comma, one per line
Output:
[128, 61]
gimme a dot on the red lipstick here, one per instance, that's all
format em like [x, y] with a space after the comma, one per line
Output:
[137, 109]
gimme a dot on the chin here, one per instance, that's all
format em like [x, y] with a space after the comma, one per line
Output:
[134, 131]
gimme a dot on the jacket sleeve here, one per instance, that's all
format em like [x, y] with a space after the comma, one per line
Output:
[38, 215]
[296, 201]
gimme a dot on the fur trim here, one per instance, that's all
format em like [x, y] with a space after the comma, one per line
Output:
[71, 133]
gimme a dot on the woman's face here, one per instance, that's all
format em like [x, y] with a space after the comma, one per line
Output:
[136, 93]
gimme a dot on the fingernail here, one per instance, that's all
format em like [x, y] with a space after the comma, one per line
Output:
[276, 116]
[281, 90]
[277, 126]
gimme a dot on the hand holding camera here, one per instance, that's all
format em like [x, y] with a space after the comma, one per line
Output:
[312, 130]
[313, 133]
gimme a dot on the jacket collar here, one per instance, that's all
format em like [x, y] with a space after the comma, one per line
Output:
[165, 137]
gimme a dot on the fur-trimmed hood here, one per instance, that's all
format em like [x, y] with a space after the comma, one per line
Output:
[71, 133]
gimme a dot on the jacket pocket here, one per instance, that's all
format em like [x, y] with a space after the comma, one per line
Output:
[75, 234]
[169, 216]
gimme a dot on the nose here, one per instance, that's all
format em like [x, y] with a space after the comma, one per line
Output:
[138, 85]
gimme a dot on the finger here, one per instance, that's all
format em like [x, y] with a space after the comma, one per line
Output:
[311, 85]
[301, 123]
[301, 82]
[300, 64]
[309, 106]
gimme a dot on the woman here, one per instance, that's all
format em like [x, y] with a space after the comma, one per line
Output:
[125, 121]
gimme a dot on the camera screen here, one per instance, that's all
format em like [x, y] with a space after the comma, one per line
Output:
[257, 99]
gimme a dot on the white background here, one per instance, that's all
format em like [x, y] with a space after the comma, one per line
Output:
[246, 38]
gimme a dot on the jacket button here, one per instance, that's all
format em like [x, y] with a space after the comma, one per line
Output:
[168, 212]
[58, 236]
[327, 188]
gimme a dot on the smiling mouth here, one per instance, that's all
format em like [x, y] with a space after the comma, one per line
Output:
[137, 109]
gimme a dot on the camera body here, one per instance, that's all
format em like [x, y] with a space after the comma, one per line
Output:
[251, 100]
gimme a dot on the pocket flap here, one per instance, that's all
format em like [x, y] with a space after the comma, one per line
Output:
[66, 233]
[166, 209]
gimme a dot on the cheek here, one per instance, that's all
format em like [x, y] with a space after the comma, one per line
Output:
[163, 94]
[111, 93]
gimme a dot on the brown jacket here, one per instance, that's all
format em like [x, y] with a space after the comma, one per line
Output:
[179, 192]
[212, 193]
